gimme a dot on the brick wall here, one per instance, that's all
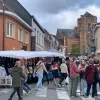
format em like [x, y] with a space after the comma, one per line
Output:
[83, 25]
[11, 43]
[69, 42]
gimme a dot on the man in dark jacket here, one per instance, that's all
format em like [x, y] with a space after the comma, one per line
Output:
[17, 74]
[89, 75]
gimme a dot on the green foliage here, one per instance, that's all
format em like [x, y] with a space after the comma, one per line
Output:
[24, 47]
[75, 50]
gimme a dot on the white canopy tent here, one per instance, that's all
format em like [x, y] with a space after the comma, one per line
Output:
[29, 54]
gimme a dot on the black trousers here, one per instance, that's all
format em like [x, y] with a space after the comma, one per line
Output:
[96, 87]
[47, 78]
[63, 76]
[17, 89]
[89, 87]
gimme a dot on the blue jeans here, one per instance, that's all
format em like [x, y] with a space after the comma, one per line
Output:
[26, 85]
[39, 83]
[83, 86]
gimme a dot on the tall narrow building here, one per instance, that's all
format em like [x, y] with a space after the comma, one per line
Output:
[83, 29]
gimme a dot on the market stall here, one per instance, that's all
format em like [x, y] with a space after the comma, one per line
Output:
[6, 80]
[29, 54]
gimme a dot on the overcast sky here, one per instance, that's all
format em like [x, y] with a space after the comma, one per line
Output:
[53, 14]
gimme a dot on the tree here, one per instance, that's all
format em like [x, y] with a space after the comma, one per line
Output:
[24, 47]
[75, 50]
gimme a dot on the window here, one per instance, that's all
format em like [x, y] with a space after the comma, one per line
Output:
[10, 29]
[39, 39]
[42, 41]
[26, 38]
[96, 42]
[20, 34]
[34, 31]
[37, 36]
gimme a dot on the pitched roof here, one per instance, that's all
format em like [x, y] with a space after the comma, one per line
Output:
[45, 30]
[54, 36]
[72, 35]
[62, 32]
[38, 24]
[20, 10]
[6, 7]
[88, 14]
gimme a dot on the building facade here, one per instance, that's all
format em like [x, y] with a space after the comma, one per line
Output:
[97, 39]
[47, 40]
[19, 10]
[71, 40]
[84, 23]
[54, 42]
[37, 36]
[15, 32]
[79, 33]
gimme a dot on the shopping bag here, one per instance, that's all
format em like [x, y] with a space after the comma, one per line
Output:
[34, 74]
[67, 80]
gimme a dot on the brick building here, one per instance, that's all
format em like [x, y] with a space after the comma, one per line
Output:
[79, 34]
[15, 30]
[72, 39]
[83, 29]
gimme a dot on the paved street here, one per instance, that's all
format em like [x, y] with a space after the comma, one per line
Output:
[47, 93]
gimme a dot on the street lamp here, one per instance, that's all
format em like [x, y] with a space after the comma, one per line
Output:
[3, 44]
[3, 30]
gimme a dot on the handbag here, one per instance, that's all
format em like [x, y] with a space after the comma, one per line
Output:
[67, 80]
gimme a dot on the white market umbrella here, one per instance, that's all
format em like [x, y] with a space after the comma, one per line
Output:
[29, 54]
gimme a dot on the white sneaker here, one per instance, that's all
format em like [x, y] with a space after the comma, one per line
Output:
[28, 92]
[37, 89]
[59, 85]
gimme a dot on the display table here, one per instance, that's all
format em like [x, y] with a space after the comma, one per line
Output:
[6, 81]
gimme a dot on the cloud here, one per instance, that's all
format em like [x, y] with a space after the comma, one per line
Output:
[67, 19]
[55, 6]
[53, 14]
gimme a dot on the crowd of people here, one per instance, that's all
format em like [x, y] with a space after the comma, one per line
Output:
[87, 73]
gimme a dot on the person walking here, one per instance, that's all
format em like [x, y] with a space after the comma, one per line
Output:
[83, 85]
[17, 74]
[55, 72]
[64, 72]
[25, 86]
[45, 75]
[74, 76]
[40, 68]
[89, 76]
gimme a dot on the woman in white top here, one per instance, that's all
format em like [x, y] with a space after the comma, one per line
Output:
[64, 72]
[83, 85]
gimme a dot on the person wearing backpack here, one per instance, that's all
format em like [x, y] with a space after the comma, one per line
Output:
[40, 68]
